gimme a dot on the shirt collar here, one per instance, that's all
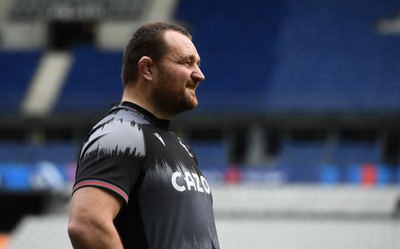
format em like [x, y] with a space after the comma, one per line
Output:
[162, 123]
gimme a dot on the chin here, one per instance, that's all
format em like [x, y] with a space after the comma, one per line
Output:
[191, 100]
[195, 103]
[191, 104]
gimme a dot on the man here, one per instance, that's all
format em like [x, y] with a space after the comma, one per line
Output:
[138, 185]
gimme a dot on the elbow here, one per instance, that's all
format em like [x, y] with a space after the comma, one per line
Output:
[78, 232]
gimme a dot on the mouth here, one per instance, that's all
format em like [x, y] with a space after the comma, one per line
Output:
[192, 88]
[192, 92]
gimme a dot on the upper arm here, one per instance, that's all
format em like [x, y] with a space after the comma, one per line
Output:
[94, 203]
[91, 218]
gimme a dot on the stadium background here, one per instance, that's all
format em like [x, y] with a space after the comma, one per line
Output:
[297, 129]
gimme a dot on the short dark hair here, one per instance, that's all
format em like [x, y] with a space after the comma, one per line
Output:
[149, 41]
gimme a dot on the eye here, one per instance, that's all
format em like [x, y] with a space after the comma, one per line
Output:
[187, 63]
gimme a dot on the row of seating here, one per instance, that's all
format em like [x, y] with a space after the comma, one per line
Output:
[27, 167]
[305, 59]
[112, 10]
[213, 154]
[94, 82]
[317, 56]
[55, 152]
[16, 71]
[345, 152]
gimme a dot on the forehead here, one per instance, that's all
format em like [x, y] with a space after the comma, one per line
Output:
[180, 44]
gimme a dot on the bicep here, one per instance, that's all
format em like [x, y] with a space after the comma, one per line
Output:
[91, 218]
[95, 203]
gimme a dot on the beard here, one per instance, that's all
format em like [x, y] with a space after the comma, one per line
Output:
[171, 97]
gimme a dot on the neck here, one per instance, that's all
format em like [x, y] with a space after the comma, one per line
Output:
[142, 102]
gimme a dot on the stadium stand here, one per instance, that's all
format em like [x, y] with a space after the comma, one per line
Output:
[57, 152]
[310, 161]
[16, 71]
[350, 152]
[313, 61]
[211, 154]
[231, 52]
[304, 58]
[93, 83]
[261, 59]
[314, 57]
[89, 9]
[301, 160]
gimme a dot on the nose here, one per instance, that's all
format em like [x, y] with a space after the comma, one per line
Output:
[198, 74]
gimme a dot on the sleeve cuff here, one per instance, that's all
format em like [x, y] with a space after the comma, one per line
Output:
[102, 184]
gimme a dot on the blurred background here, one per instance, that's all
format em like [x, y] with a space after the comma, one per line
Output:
[297, 131]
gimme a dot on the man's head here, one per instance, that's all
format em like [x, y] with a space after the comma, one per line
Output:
[161, 69]
[149, 41]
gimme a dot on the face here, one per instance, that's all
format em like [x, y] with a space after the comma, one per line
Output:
[177, 76]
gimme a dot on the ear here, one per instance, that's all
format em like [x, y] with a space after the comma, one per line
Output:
[145, 64]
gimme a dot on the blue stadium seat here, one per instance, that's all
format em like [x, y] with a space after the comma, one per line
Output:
[286, 56]
[93, 83]
[350, 152]
[211, 154]
[306, 161]
[16, 71]
[55, 152]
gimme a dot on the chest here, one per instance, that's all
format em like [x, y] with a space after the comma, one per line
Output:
[171, 166]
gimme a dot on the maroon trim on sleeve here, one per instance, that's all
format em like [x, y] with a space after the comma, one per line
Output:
[102, 184]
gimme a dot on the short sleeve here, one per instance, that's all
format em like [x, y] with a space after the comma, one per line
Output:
[112, 157]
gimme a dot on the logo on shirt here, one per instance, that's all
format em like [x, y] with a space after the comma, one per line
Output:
[189, 181]
[184, 146]
[159, 137]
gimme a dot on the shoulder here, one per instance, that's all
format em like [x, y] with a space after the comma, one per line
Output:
[119, 132]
